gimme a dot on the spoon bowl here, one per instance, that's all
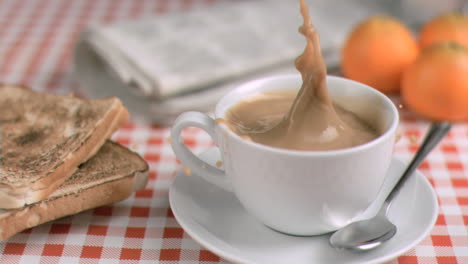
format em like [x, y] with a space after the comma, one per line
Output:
[364, 234]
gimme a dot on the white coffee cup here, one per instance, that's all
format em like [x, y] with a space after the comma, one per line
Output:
[297, 192]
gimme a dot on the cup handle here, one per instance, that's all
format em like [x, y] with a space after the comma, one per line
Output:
[199, 167]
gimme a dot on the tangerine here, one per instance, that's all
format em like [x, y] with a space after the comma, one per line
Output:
[377, 51]
[451, 27]
[436, 84]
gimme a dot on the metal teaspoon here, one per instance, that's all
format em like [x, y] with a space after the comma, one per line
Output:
[370, 233]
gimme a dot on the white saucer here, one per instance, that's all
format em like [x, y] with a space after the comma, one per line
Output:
[216, 220]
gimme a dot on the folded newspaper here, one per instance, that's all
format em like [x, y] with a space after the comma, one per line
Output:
[162, 66]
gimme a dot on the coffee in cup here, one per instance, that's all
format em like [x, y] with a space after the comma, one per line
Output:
[252, 116]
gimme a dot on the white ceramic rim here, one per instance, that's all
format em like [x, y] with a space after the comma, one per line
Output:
[313, 153]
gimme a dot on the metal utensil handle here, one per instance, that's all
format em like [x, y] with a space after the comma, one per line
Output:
[436, 132]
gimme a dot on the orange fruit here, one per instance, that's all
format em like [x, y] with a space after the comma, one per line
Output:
[377, 51]
[451, 27]
[436, 84]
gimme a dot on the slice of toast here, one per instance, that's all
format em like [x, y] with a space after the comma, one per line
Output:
[45, 137]
[113, 174]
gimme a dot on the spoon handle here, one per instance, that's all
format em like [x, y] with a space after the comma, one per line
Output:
[436, 132]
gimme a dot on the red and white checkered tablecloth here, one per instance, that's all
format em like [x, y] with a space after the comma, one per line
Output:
[36, 41]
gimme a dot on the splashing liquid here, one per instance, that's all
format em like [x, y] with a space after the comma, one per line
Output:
[306, 121]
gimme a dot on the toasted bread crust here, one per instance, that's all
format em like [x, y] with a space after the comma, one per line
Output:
[34, 187]
[83, 191]
[44, 211]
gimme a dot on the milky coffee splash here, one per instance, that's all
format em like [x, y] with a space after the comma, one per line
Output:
[310, 121]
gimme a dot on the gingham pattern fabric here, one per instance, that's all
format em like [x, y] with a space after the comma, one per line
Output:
[36, 40]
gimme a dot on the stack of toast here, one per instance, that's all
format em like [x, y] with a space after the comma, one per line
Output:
[56, 158]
